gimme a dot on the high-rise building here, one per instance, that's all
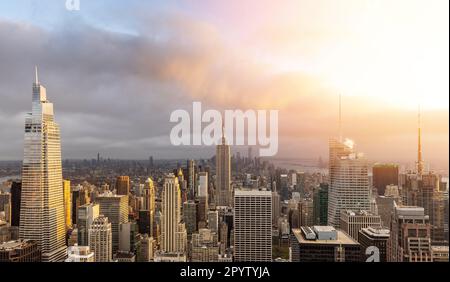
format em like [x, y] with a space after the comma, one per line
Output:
[275, 207]
[440, 253]
[375, 237]
[128, 237]
[149, 204]
[86, 215]
[190, 216]
[284, 187]
[202, 184]
[252, 225]
[16, 192]
[385, 204]
[42, 200]
[5, 205]
[353, 221]
[20, 251]
[100, 239]
[173, 235]
[323, 244]
[191, 179]
[349, 182]
[67, 203]
[213, 221]
[223, 172]
[410, 235]
[204, 246]
[320, 203]
[115, 207]
[79, 198]
[146, 250]
[383, 175]
[123, 185]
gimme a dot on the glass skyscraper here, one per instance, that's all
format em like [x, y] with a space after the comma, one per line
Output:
[42, 200]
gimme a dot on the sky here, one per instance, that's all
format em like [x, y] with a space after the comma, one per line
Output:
[115, 71]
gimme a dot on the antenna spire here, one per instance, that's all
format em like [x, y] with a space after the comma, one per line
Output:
[36, 75]
[223, 132]
[340, 117]
[419, 146]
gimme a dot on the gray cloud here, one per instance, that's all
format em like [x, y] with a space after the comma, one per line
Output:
[114, 92]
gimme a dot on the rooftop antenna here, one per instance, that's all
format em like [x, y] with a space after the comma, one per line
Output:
[36, 74]
[419, 146]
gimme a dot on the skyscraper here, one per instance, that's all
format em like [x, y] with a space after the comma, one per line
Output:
[42, 200]
[191, 179]
[353, 221]
[321, 204]
[67, 203]
[349, 181]
[253, 226]
[86, 215]
[173, 234]
[16, 192]
[384, 175]
[377, 237]
[115, 207]
[223, 171]
[410, 235]
[100, 239]
[123, 185]
[149, 194]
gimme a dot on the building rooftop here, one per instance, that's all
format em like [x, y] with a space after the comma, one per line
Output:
[14, 245]
[357, 213]
[342, 238]
[252, 192]
[377, 232]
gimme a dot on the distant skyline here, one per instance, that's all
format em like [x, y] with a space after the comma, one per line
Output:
[115, 70]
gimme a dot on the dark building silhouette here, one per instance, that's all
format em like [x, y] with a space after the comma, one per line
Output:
[16, 191]
[383, 175]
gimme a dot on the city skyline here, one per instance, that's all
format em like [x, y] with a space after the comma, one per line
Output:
[149, 67]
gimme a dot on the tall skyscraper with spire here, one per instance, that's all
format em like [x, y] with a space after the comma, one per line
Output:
[223, 172]
[349, 180]
[42, 201]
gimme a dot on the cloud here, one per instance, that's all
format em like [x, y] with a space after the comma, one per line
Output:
[114, 92]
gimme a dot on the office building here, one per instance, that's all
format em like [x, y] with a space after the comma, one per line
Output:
[123, 185]
[384, 175]
[190, 217]
[410, 235]
[42, 200]
[205, 246]
[253, 226]
[353, 221]
[375, 237]
[320, 203]
[20, 251]
[16, 192]
[115, 208]
[173, 233]
[100, 239]
[323, 244]
[349, 182]
[80, 254]
[86, 215]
